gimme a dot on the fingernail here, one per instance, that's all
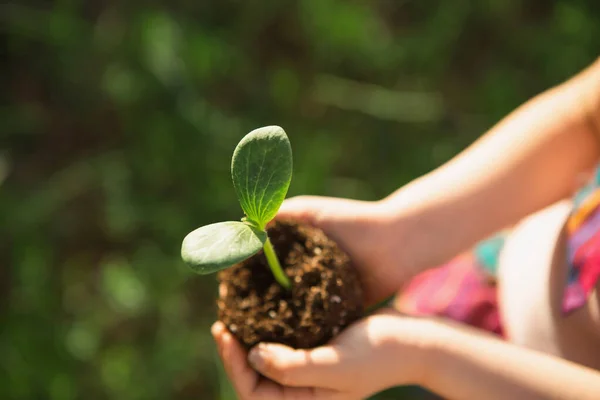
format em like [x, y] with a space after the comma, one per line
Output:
[257, 356]
[226, 337]
[214, 329]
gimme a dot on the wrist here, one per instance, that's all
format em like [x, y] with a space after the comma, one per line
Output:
[414, 349]
[424, 223]
[411, 231]
[382, 232]
[433, 340]
[439, 339]
[450, 346]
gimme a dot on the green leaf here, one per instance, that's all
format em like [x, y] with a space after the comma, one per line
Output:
[217, 246]
[262, 170]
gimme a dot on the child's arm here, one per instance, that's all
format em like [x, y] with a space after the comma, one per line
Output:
[531, 159]
[473, 365]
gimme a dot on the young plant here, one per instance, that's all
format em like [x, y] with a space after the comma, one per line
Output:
[261, 169]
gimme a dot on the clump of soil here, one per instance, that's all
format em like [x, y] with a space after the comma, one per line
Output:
[325, 297]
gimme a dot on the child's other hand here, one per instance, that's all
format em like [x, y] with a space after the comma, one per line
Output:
[383, 350]
[362, 229]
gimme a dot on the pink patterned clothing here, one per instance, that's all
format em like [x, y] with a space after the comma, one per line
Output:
[464, 289]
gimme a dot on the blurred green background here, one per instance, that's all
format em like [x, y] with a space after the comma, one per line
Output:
[119, 119]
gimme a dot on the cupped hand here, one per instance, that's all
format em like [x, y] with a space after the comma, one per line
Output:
[364, 230]
[382, 350]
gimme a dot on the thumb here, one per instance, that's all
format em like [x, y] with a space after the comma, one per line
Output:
[320, 210]
[309, 209]
[317, 367]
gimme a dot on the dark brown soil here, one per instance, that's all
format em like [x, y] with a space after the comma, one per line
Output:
[324, 299]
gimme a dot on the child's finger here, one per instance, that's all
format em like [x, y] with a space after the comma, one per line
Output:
[304, 208]
[247, 383]
[297, 368]
[243, 377]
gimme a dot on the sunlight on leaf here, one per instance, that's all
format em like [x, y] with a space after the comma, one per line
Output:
[261, 169]
[217, 246]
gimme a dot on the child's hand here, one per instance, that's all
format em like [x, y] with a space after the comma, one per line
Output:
[363, 230]
[380, 351]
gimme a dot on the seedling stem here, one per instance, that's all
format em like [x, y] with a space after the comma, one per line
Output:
[275, 266]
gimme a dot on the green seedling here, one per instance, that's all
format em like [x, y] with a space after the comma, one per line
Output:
[261, 169]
